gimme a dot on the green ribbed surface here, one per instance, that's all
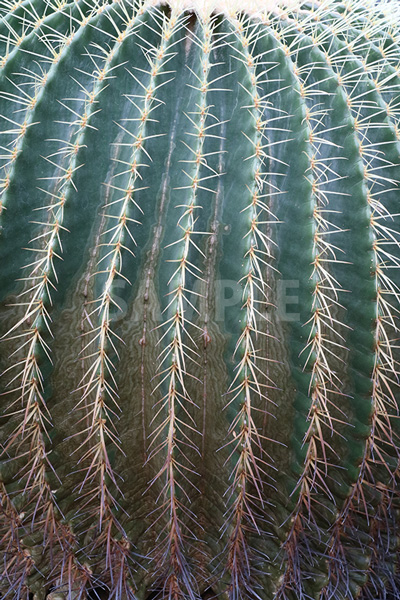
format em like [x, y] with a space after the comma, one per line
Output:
[199, 297]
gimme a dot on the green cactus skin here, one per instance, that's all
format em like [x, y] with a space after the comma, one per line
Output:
[200, 242]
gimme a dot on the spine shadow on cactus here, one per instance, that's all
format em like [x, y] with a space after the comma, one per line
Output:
[170, 428]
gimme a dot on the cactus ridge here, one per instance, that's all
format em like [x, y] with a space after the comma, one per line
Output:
[161, 439]
[252, 462]
[325, 341]
[42, 278]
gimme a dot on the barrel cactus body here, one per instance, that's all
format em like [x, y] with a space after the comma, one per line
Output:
[199, 300]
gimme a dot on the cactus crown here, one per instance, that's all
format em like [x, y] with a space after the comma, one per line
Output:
[200, 243]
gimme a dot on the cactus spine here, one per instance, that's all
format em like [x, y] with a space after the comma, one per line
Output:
[200, 243]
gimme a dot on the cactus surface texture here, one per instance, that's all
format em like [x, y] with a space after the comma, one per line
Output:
[200, 251]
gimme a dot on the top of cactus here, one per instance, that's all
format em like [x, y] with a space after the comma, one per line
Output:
[228, 6]
[258, 7]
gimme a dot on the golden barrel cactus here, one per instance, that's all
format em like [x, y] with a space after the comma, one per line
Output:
[199, 300]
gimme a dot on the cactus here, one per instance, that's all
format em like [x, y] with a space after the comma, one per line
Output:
[200, 242]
